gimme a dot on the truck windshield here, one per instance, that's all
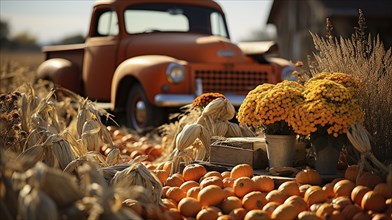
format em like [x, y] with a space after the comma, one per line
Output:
[146, 18]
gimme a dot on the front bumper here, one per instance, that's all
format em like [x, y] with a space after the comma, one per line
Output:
[178, 100]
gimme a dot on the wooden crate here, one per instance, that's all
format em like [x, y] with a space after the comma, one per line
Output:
[233, 151]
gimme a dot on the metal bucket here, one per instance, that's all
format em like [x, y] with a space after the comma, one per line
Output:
[280, 150]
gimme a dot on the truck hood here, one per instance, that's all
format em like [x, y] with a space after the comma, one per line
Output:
[185, 46]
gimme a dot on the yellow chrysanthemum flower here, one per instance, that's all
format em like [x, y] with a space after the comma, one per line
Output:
[268, 105]
[329, 108]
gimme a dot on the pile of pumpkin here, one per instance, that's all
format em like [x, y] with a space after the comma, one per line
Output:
[132, 145]
[196, 193]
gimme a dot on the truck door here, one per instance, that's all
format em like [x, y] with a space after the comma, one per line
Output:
[100, 55]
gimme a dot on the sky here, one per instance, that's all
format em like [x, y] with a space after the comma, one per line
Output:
[52, 20]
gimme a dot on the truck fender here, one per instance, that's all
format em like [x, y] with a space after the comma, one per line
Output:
[62, 72]
[143, 70]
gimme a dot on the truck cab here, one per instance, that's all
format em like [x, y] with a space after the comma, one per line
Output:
[147, 58]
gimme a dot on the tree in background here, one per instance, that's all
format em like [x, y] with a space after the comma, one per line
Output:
[24, 41]
[21, 41]
[4, 32]
[72, 39]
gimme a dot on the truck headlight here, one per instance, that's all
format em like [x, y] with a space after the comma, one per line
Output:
[175, 72]
[287, 73]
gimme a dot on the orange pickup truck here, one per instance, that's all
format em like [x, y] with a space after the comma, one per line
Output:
[145, 58]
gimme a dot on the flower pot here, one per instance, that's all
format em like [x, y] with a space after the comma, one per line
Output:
[327, 152]
[280, 150]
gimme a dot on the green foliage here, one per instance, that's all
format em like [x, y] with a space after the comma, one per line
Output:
[72, 39]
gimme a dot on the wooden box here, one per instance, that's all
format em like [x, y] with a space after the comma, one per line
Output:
[233, 151]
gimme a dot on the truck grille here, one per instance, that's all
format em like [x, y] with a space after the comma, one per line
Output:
[235, 82]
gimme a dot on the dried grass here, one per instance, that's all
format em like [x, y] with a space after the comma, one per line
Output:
[365, 57]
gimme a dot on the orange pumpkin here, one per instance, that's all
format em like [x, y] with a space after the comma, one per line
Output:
[328, 188]
[263, 183]
[211, 195]
[350, 210]
[193, 192]
[207, 214]
[168, 166]
[285, 211]
[380, 216]
[164, 190]
[270, 207]
[242, 186]
[175, 180]
[373, 201]
[324, 210]
[315, 194]
[162, 175]
[172, 214]
[357, 194]
[308, 215]
[369, 179]
[188, 184]
[238, 213]
[175, 193]
[224, 217]
[213, 173]
[298, 202]
[308, 176]
[351, 173]
[290, 188]
[228, 182]
[193, 172]
[230, 203]
[257, 214]
[211, 180]
[168, 203]
[341, 202]
[241, 170]
[276, 196]
[254, 200]
[343, 188]
[189, 207]
[225, 174]
[229, 191]
[303, 188]
[362, 216]
[384, 190]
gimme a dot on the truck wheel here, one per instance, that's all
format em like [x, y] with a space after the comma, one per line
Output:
[140, 114]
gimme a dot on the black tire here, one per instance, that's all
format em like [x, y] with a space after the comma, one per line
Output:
[141, 115]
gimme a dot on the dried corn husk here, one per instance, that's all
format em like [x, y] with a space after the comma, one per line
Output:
[187, 136]
[77, 148]
[113, 157]
[91, 135]
[82, 118]
[51, 180]
[35, 204]
[359, 138]
[137, 174]
[185, 156]
[109, 171]
[62, 151]
[219, 108]
[35, 137]
[100, 201]
[246, 132]
[233, 130]
[220, 128]
[32, 155]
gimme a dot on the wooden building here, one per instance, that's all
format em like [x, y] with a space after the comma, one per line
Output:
[295, 19]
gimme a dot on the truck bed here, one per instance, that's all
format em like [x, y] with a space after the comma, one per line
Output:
[71, 52]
